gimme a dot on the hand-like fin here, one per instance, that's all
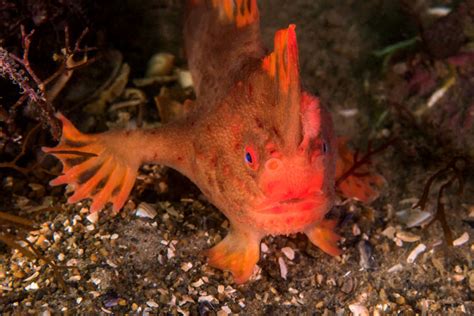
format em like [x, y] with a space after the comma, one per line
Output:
[238, 253]
[323, 236]
[93, 167]
[364, 184]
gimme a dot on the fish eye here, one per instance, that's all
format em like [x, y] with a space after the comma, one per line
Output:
[250, 157]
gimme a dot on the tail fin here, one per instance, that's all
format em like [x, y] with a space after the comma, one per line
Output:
[94, 167]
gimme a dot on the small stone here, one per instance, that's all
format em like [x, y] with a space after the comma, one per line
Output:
[61, 257]
[415, 252]
[114, 236]
[347, 286]
[19, 274]
[263, 247]
[122, 302]
[90, 227]
[134, 307]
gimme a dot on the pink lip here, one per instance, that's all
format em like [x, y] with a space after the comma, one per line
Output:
[293, 205]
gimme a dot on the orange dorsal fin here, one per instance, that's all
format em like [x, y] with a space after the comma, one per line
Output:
[240, 12]
[282, 66]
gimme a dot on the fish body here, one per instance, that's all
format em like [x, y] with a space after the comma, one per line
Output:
[260, 148]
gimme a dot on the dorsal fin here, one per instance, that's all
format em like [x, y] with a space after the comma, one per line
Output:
[282, 63]
[283, 68]
[240, 12]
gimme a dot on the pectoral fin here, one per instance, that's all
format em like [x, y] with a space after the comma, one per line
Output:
[94, 167]
[323, 236]
[238, 253]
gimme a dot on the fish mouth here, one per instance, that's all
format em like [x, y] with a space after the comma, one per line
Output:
[300, 204]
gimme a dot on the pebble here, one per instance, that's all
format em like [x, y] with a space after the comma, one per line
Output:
[464, 238]
[415, 252]
[263, 247]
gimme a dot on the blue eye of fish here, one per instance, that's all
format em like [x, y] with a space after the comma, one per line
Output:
[248, 158]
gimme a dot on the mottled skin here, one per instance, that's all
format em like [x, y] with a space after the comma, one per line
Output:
[260, 149]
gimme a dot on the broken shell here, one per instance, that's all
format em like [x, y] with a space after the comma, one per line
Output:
[185, 79]
[413, 217]
[389, 232]
[415, 252]
[461, 240]
[366, 260]
[359, 310]
[396, 268]
[160, 64]
[145, 210]
[288, 252]
[283, 268]
[93, 217]
[407, 236]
